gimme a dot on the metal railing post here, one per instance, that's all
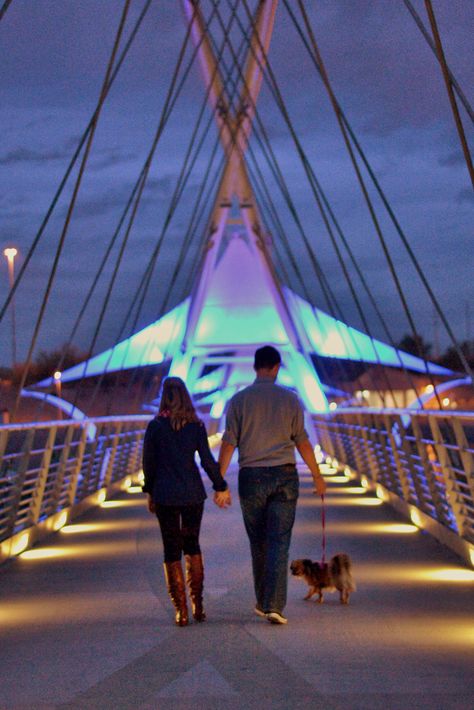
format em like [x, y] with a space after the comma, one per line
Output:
[19, 480]
[74, 480]
[37, 497]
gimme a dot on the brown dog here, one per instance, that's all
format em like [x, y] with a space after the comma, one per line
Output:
[337, 574]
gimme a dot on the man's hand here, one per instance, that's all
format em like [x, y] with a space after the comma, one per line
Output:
[151, 504]
[319, 485]
[223, 499]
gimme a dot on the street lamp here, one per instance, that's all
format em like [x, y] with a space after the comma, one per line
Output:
[57, 382]
[10, 254]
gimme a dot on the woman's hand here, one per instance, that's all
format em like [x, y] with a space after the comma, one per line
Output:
[223, 498]
[151, 504]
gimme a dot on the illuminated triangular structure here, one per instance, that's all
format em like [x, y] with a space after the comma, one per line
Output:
[237, 303]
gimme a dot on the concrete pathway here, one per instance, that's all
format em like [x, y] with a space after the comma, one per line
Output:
[85, 621]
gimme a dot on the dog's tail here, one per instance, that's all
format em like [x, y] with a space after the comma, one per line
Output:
[341, 572]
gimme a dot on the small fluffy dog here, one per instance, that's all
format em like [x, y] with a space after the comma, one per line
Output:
[337, 574]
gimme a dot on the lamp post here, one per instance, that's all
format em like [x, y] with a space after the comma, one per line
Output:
[10, 254]
[57, 382]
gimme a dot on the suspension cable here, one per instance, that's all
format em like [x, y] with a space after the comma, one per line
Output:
[329, 295]
[32, 249]
[365, 193]
[170, 101]
[72, 203]
[452, 78]
[4, 8]
[281, 182]
[178, 193]
[449, 89]
[387, 206]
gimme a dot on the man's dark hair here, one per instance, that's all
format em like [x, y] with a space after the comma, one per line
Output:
[266, 358]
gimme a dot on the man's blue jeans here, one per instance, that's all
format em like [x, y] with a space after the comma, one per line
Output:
[268, 498]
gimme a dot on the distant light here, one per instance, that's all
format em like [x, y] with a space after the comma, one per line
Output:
[20, 544]
[10, 253]
[380, 492]
[416, 518]
[127, 482]
[332, 406]
[471, 555]
[364, 482]
[57, 375]
[365, 393]
[101, 496]
[429, 389]
[446, 401]
[61, 521]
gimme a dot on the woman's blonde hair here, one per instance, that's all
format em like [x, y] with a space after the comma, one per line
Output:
[176, 403]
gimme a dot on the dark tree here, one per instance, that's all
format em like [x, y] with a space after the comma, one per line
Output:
[415, 345]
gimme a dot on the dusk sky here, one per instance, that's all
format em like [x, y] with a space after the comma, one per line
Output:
[53, 57]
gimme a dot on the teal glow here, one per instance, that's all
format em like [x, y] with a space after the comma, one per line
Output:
[149, 346]
[239, 326]
[330, 337]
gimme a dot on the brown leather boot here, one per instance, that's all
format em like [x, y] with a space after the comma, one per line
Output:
[176, 588]
[195, 582]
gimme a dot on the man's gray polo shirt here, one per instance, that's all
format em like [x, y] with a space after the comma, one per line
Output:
[265, 421]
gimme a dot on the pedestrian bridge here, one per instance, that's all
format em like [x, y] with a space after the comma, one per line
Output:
[86, 623]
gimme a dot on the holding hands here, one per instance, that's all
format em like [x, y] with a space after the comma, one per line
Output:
[223, 499]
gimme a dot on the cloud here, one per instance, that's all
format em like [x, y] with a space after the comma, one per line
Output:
[25, 155]
[465, 195]
[110, 160]
[454, 158]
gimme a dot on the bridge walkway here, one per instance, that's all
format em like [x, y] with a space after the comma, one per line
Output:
[86, 623]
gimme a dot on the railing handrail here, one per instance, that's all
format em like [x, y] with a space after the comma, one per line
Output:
[18, 426]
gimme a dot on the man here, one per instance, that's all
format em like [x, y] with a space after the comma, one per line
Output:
[265, 422]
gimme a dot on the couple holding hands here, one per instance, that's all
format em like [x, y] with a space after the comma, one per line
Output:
[265, 422]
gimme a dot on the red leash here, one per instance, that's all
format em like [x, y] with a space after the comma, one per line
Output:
[323, 523]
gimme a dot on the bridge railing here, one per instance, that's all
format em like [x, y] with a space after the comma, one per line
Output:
[422, 462]
[48, 468]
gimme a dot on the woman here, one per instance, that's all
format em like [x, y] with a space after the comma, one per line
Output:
[176, 492]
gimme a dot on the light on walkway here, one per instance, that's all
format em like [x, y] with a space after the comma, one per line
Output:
[81, 528]
[120, 503]
[395, 528]
[44, 553]
[134, 489]
[416, 518]
[343, 490]
[448, 574]
[20, 544]
[339, 479]
[349, 500]
[61, 521]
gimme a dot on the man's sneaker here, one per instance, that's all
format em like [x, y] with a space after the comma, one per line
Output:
[259, 612]
[275, 618]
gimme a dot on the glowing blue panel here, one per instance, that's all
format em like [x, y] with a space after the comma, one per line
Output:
[239, 307]
[149, 346]
[330, 337]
